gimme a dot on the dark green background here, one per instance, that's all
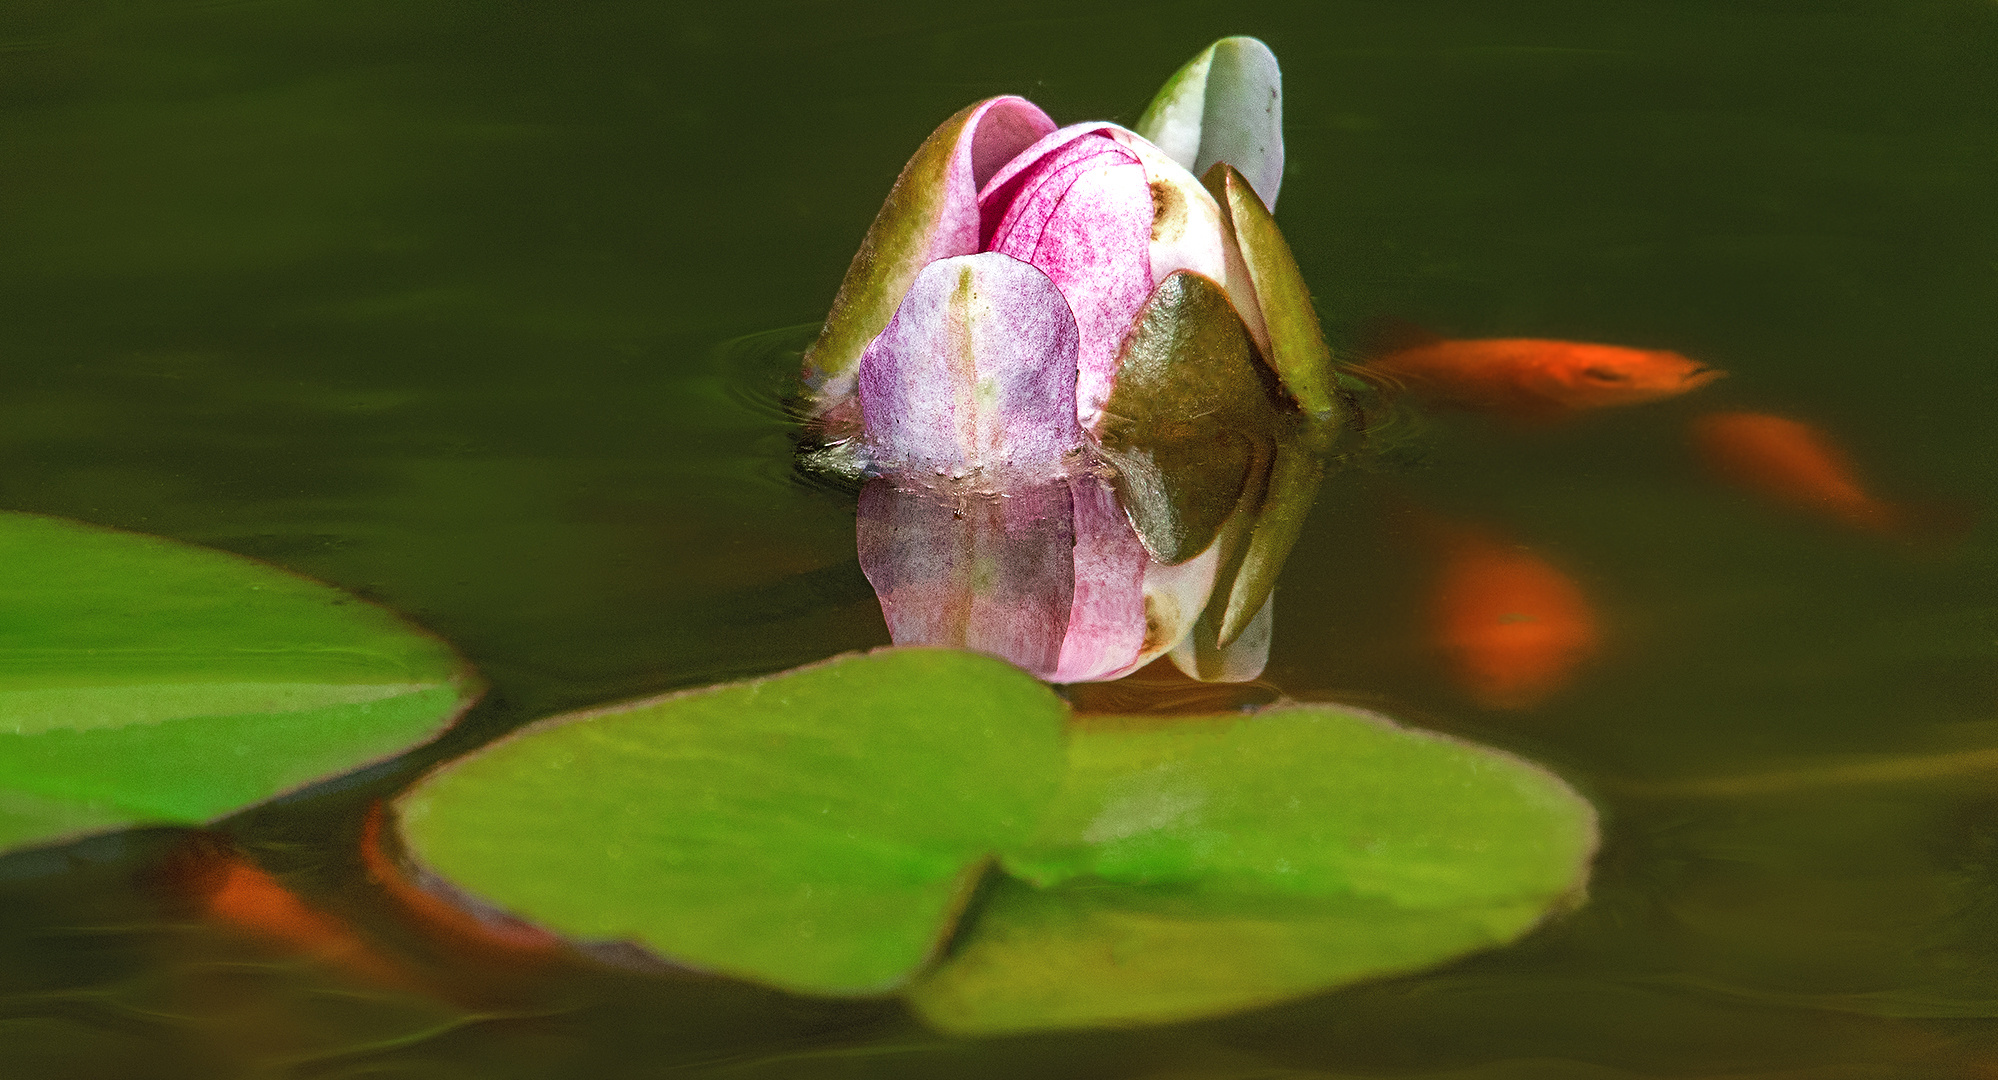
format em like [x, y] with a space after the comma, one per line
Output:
[444, 303]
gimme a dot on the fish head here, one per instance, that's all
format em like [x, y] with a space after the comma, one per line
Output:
[1593, 376]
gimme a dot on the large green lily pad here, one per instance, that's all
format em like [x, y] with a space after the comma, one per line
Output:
[147, 681]
[818, 830]
[823, 831]
[1204, 865]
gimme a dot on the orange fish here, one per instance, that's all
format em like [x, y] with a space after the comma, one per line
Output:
[1531, 378]
[1512, 627]
[245, 897]
[1792, 463]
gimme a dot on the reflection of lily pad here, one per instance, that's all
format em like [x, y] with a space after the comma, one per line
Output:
[1210, 864]
[818, 830]
[146, 681]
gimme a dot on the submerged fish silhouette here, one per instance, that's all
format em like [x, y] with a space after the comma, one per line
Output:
[234, 892]
[1511, 626]
[1795, 464]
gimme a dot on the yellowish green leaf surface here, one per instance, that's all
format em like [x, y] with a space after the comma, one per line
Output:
[817, 830]
[146, 681]
[1208, 864]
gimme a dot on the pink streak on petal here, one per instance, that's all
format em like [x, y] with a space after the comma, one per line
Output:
[984, 572]
[998, 191]
[976, 372]
[1106, 622]
[1083, 214]
[995, 133]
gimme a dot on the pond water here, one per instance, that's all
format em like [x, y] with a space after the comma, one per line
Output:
[482, 311]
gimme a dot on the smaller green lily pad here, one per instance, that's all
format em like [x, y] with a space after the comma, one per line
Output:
[144, 681]
[1210, 864]
[817, 830]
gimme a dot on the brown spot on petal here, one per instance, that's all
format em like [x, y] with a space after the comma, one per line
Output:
[1168, 212]
[1162, 617]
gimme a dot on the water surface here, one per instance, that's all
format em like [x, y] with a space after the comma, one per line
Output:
[474, 309]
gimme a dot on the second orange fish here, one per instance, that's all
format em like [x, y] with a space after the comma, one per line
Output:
[1792, 463]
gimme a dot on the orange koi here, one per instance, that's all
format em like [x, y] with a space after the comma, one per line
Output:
[1794, 464]
[1512, 627]
[1531, 378]
[245, 897]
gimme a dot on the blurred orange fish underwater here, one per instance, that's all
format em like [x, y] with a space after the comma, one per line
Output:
[1512, 628]
[1528, 378]
[235, 892]
[1794, 464]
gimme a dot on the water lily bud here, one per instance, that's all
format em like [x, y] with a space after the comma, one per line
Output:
[1089, 385]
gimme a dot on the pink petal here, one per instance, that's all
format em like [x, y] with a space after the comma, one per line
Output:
[1106, 622]
[995, 133]
[975, 374]
[985, 572]
[931, 214]
[1190, 232]
[1081, 210]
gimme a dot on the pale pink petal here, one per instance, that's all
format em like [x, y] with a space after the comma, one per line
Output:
[1174, 598]
[975, 374]
[1189, 232]
[1106, 622]
[985, 572]
[1082, 212]
[932, 213]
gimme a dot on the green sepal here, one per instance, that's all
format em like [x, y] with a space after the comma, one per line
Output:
[918, 224]
[1190, 424]
[1295, 476]
[1298, 351]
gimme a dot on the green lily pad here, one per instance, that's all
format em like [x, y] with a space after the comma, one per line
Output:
[1210, 864]
[818, 830]
[147, 681]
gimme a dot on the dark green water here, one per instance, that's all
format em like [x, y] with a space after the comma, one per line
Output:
[430, 300]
